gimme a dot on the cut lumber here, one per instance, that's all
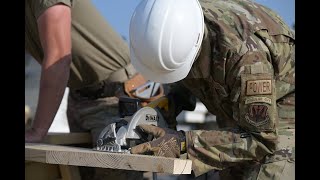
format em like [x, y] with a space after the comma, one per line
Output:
[67, 138]
[76, 156]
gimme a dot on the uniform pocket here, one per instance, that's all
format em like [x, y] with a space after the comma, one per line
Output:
[277, 170]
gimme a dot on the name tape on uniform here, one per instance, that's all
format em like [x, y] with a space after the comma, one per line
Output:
[259, 87]
[250, 100]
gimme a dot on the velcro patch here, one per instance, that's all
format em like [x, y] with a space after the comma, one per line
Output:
[257, 115]
[259, 87]
[250, 100]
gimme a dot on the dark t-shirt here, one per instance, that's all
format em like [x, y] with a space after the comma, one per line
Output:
[97, 50]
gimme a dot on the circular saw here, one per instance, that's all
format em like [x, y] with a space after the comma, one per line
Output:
[124, 134]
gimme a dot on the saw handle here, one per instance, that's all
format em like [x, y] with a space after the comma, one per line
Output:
[162, 103]
[128, 106]
[145, 137]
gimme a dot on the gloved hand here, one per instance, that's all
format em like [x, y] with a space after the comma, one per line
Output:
[168, 142]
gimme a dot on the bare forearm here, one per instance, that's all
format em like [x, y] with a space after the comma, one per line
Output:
[54, 27]
[52, 86]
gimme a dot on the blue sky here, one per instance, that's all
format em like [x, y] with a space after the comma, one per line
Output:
[118, 12]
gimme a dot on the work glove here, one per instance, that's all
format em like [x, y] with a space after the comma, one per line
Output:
[167, 142]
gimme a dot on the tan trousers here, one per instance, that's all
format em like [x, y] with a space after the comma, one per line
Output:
[92, 116]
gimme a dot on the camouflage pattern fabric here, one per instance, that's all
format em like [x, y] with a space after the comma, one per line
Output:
[245, 75]
[92, 116]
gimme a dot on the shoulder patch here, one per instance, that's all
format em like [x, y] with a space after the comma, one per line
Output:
[259, 87]
[257, 114]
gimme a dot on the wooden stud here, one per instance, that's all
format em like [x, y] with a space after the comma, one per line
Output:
[57, 154]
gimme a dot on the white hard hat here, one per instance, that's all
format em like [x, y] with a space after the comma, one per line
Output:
[165, 37]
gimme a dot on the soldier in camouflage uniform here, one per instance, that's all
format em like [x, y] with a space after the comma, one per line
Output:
[244, 73]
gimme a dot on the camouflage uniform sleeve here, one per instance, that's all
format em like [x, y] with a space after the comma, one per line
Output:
[253, 105]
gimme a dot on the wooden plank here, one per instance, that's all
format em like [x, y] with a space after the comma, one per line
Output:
[68, 138]
[40, 171]
[57, 154]
[69, 172]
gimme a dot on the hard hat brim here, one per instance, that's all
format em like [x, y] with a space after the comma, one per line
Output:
[161, 77]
